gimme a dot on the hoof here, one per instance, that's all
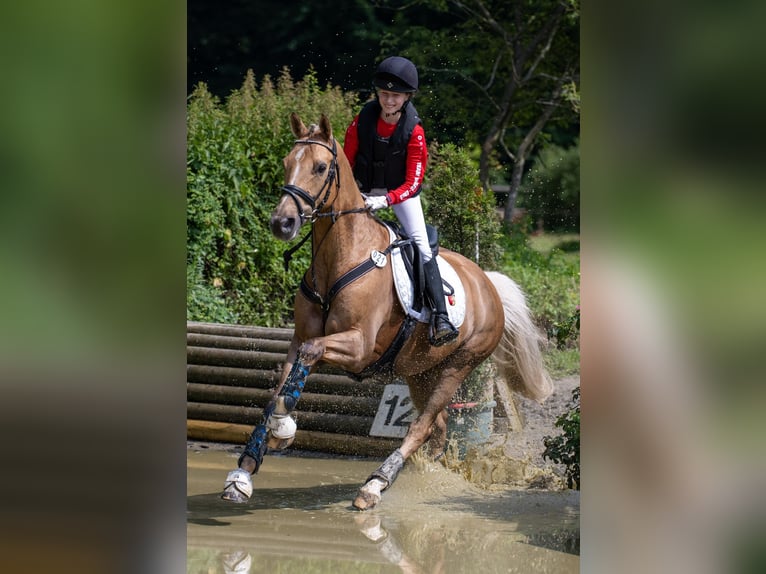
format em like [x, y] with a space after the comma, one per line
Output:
[238, 486]
[369, 495]
[365, 501]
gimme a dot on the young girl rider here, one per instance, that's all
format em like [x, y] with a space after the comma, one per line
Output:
[386, 147]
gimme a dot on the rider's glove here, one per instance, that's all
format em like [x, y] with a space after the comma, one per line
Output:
[375, 202]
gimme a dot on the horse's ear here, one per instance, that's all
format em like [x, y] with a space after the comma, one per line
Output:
[298, 127]
[324, 125]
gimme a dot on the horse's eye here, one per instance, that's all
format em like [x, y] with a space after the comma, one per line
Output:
[321, 168]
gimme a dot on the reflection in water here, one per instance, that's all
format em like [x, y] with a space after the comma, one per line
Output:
[300, 520]
[413, 548]
[370, 526]
[238, 562]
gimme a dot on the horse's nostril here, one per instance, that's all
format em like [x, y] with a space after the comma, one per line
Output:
[288, 223]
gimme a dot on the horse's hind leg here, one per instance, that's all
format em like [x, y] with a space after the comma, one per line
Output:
[431, 400]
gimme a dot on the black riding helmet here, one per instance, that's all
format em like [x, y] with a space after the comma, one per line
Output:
[396, 74]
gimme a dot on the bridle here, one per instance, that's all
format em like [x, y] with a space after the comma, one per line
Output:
[298, 194]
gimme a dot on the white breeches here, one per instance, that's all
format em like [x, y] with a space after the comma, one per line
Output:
[410, 215]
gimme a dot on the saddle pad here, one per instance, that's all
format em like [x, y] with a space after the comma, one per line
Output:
[406, 291]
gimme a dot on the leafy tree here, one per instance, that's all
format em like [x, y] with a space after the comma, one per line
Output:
[455, 203]
[225, 39]
[502, 71]
[551, 191]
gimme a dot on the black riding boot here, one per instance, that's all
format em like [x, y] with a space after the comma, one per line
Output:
[442, 331]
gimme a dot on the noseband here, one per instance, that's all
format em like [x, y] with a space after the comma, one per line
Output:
[297, 193]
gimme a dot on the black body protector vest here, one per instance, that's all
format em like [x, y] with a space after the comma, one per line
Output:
[381, 163]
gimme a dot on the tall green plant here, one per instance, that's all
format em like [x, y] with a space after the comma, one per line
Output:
[564, 448]
[234, 172]
[550, 281]
[456, 204]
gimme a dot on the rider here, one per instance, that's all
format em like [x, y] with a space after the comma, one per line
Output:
[386, 147]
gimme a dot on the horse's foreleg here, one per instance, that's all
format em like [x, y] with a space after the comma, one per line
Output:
[277, 430]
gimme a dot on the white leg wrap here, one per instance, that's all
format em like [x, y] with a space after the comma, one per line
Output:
[237, 563]
[239, 480]
[373, 530]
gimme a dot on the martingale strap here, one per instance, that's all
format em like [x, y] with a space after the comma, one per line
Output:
[347, 278]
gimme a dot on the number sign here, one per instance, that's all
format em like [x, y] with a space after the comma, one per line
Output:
[395, 412]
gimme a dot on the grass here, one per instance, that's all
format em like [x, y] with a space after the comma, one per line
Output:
[566, 244]
[563, 363]
[547, 267]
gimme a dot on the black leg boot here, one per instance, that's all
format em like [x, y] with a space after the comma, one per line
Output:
[442, 331]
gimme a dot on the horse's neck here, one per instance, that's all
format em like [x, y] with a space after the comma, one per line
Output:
[345, 240]
[350, 234]
[342, 245]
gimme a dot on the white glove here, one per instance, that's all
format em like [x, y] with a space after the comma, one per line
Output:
[375, 202]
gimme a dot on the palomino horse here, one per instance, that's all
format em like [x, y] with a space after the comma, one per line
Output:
[351, 322]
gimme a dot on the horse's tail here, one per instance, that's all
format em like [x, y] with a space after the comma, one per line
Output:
[518, 357]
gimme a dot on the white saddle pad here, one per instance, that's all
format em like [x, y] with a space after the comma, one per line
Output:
[406, 291]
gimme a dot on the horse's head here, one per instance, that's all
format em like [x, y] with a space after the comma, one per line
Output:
[310, 173]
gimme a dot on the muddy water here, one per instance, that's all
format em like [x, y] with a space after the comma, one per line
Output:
[300, 520]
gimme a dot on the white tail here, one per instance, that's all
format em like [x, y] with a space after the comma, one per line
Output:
[517, 357]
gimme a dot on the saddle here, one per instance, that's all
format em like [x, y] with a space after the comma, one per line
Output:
[413, 264]
[409, 281]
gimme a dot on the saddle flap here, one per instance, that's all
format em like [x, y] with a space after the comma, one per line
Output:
[454, 291]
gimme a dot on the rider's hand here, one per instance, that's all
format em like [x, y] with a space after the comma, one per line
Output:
[375, 202]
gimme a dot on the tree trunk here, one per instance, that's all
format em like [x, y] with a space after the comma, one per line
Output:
[513, 191]
[522, 152]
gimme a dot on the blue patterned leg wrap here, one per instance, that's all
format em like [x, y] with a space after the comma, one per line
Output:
[291, 391]
[293, 387]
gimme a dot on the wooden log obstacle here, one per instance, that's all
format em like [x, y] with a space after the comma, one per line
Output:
[231, 371]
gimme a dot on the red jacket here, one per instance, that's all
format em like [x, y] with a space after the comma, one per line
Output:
[417, 157]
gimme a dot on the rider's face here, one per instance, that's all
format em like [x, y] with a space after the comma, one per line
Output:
[391, 102]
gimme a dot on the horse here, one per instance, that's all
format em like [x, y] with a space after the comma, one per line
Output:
[350, 320]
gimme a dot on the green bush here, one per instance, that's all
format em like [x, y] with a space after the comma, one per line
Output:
[551, 190]
[234, 172]
[565, 447]
[457, 205]
[551, 281]
[566, 331]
